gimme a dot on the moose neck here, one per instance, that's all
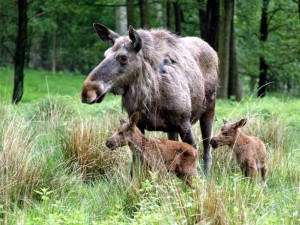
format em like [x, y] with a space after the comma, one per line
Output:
[142, 94]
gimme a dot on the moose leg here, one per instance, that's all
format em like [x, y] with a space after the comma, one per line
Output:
[206, 123]
[186, 134]
[173, 135]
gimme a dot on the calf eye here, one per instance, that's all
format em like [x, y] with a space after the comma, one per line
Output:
[225, 133]
[123, 60]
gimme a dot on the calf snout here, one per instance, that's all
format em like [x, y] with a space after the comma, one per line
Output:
[213, 143]
[109, 144]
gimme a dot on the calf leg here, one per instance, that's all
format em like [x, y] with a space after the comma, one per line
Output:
[134, 158]
[252, 171]
[246, 172]
[132, 165]
[264, 172]
[206, 123]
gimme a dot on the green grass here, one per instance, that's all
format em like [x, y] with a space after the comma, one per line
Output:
[40, 84]
[51, 145]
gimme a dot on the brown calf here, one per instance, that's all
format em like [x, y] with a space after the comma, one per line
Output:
[164, 155]
[250, 151]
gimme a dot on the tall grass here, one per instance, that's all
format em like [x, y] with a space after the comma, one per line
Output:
[49, 149]
[83, 146]
[18, 176]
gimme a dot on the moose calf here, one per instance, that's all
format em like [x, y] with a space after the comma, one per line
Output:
[177, 157]
[250, 151]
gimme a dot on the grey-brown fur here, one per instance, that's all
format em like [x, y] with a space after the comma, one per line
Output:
[170, 80]
[250, 151]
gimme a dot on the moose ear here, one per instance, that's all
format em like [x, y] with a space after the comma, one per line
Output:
[122, 121]
[241, 123]
[134, 119]
[105, 34]
[135, 38]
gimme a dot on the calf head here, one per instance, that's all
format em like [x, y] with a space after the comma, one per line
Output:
[119, 68]
[228, 133]
[124, 134]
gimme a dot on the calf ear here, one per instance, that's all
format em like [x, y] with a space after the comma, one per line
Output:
[225, 121]
[134, 119]
[241, 123]
[105, 34]
[122, 121]
[135, 38]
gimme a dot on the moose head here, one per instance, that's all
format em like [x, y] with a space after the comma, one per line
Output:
[119, 67]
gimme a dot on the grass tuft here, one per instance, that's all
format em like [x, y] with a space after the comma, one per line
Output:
[83, 146]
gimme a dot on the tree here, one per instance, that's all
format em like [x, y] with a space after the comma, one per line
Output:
[20, 50]
[121, 20]
[263, 66]
[298, 3]
[144, 13]
[159, 14]
[130, 12]
[225, 18]
[235, 83]
[209, 21]
[168, 14]
[178, 17]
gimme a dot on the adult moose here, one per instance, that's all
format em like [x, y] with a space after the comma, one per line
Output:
[171, 81]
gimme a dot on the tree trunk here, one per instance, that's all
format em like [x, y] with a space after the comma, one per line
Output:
[53, 53]
[20, 51]
[209, 21]
[144, 13]
[263, 70]
[224, 46]
[178, 18]
[168, 12]
[44, 51]
[235, 83]
[130, 13]
[159, 14]
[121, 20]
[27, 53]
[263, 66]
[202, 18]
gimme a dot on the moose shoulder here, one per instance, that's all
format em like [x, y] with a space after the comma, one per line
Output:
[170, 80]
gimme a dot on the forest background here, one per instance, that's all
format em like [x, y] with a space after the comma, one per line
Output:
[257, 41]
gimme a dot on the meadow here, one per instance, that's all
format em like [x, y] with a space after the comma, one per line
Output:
[55, 168]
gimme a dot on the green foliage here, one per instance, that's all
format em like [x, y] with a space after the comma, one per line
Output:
[281, 50]
[62, 32]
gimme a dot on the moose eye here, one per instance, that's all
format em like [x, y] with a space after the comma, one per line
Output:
[123, 59]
